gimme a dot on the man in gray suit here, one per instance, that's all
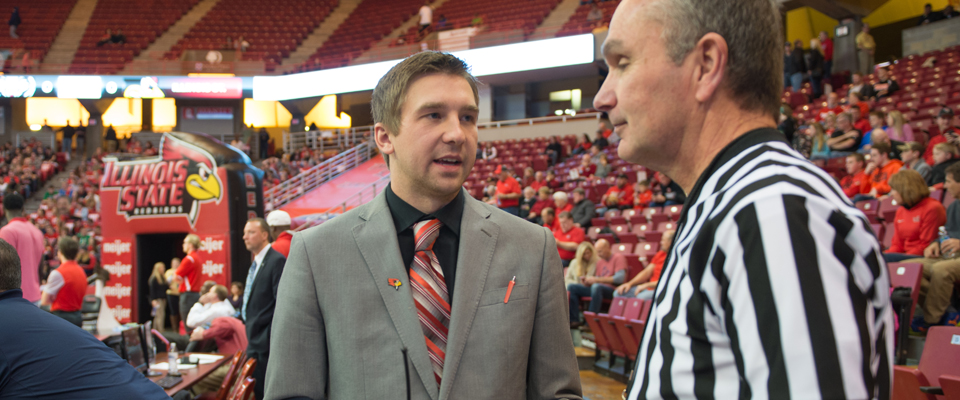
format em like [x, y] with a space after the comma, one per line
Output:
[425, 292]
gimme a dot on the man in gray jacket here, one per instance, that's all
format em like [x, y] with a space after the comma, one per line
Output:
[583, 209]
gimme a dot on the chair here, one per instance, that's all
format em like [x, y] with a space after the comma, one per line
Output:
[630, 213]
[888, 209]
[90, 312]
[877, 231]
[617, 307]
[244, 389]
[951, 386]
[593, 232]
[673, 212]
[666, 226]
[622, 248]
[611, 213]
[628, 237]
[228, 380]
[619, 229]
[246, 373]
[617, 220]
[905, 275]
[595, 324]
[606, 236]
[940, 355]
[598, 222]
[631, 343]
[647, 250]
[634, 265]
[870, 209]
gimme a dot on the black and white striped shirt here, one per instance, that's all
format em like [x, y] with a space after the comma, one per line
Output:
[775, 287]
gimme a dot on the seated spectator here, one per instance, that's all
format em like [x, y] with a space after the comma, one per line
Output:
[917, 220]
[583, 264]
[528, 201]
[490, 191]
[880, 170]
[859, 86]
[880, 136]
[910, 153]
[948, 12]
[787, 125]
[228, 45]
[885, 85]
[538, 180]
[618, 196]
[644, 284]
[928, 15]
[819, 148]
[66, 285]
[212, 304]
[230, 335]
[856, 182]
[548, 218]
[544, 200]
[236, 295]
[846, 138]
[944, 155]
[119, 37]
[585, 170]
[528, 177]
[940, 267]
[611, 269]
[833, 105]
[667, 192]
[45, 357]
[562, 202]
[950, 132]
[106, 38]
[877, 120]
[855, 100]
[568, 237]
[487, 152]
[603, 167]
[862, 124]
[644, 195]
[830, 123]
[241, 45]
[508, 191]
[552, 182]
[603, 129]
[583, 209]
[898, 128]
[595, 14]
[599, 144]
[583, 145]
[553, 150]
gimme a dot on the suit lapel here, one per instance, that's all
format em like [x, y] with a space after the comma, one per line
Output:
[376, 236]
[478, 238]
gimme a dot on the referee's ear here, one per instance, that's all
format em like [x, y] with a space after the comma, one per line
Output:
[711, 57]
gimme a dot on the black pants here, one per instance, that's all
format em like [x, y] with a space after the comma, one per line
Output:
[73, 317]
[260, 374]
[187, 300]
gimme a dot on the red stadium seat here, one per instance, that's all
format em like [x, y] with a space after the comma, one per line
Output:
[951, 386]
[940, 355]
[622, 248]
[623, 325]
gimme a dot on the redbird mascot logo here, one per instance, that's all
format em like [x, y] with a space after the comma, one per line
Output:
[172, 184]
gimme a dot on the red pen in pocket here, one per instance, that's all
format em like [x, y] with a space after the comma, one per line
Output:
[509, 289]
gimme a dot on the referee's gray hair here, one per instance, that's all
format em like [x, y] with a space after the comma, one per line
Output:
[754, 35]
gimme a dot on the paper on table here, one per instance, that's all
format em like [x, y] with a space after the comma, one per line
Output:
[163, 366]
[205, 358]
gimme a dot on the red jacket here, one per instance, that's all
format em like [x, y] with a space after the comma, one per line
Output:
[880, 176]
[70, 296]
[915, 228]
[189, 270]
[282, 244]
[855, 184]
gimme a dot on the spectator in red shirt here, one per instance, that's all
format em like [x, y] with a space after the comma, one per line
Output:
[855, 100]
[856, 182]
[860, 123]
[586, 168]
[188, 274]
[881, 169]
[538, 181]
[552, 181]
[947, 133]
[826, 44]
[548, 218]
[644, 195]
[508, 191]
[611, 270]
[833, 105]
[230, 335]
[917, 220]
[279, 222]
[528, 177]
[543, 201]
[619, 196]
[644, 284]
[66, 285]
[562, 201]
[568, 237]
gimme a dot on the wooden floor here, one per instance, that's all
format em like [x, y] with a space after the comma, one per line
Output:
[599, 387]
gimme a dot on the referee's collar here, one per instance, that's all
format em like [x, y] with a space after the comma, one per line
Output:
[734, 148]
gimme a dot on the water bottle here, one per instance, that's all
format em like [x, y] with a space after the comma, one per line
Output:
[943, 238]
[172, 358]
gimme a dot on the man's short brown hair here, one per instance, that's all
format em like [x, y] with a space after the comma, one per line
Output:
[953, 171]
[882, 148]
[752, 30]
[389, 94]
[69, 247]
[221, 292]
[857, 156]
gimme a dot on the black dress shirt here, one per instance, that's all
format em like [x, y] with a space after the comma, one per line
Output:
[447, 245]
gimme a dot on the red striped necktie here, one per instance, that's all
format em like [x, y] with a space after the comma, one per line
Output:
[430, 293]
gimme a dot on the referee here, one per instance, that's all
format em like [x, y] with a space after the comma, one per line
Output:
[775, 286]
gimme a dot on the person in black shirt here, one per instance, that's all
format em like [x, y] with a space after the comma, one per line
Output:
[553, 150]
[845, 138]
[158, 295]
[885, 85]
[14, 22]
[928, 15]
[111, 139]
[68, 132]
[667, 192]
[948, 12]
[798, 66]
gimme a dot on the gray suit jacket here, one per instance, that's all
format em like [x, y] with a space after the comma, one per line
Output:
[340, 329]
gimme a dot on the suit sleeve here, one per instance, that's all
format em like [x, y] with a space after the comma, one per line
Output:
[298, 343]
[552, 372]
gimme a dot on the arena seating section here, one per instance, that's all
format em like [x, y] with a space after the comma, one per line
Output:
[273, 29]
[368, 24]
[141, 21]
[578, 24]
[498, 16]
[923, 91]
[41, 22]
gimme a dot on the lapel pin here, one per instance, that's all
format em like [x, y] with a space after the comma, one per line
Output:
[395, 283]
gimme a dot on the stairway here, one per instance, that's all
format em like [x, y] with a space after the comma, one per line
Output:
[172, 35]
[383, 46]
[559, 16]
[319, 35]
[61, 52]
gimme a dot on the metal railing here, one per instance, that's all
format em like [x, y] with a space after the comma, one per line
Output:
[362, 196]
[326, 139]
[289, 190]
[532, 121]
